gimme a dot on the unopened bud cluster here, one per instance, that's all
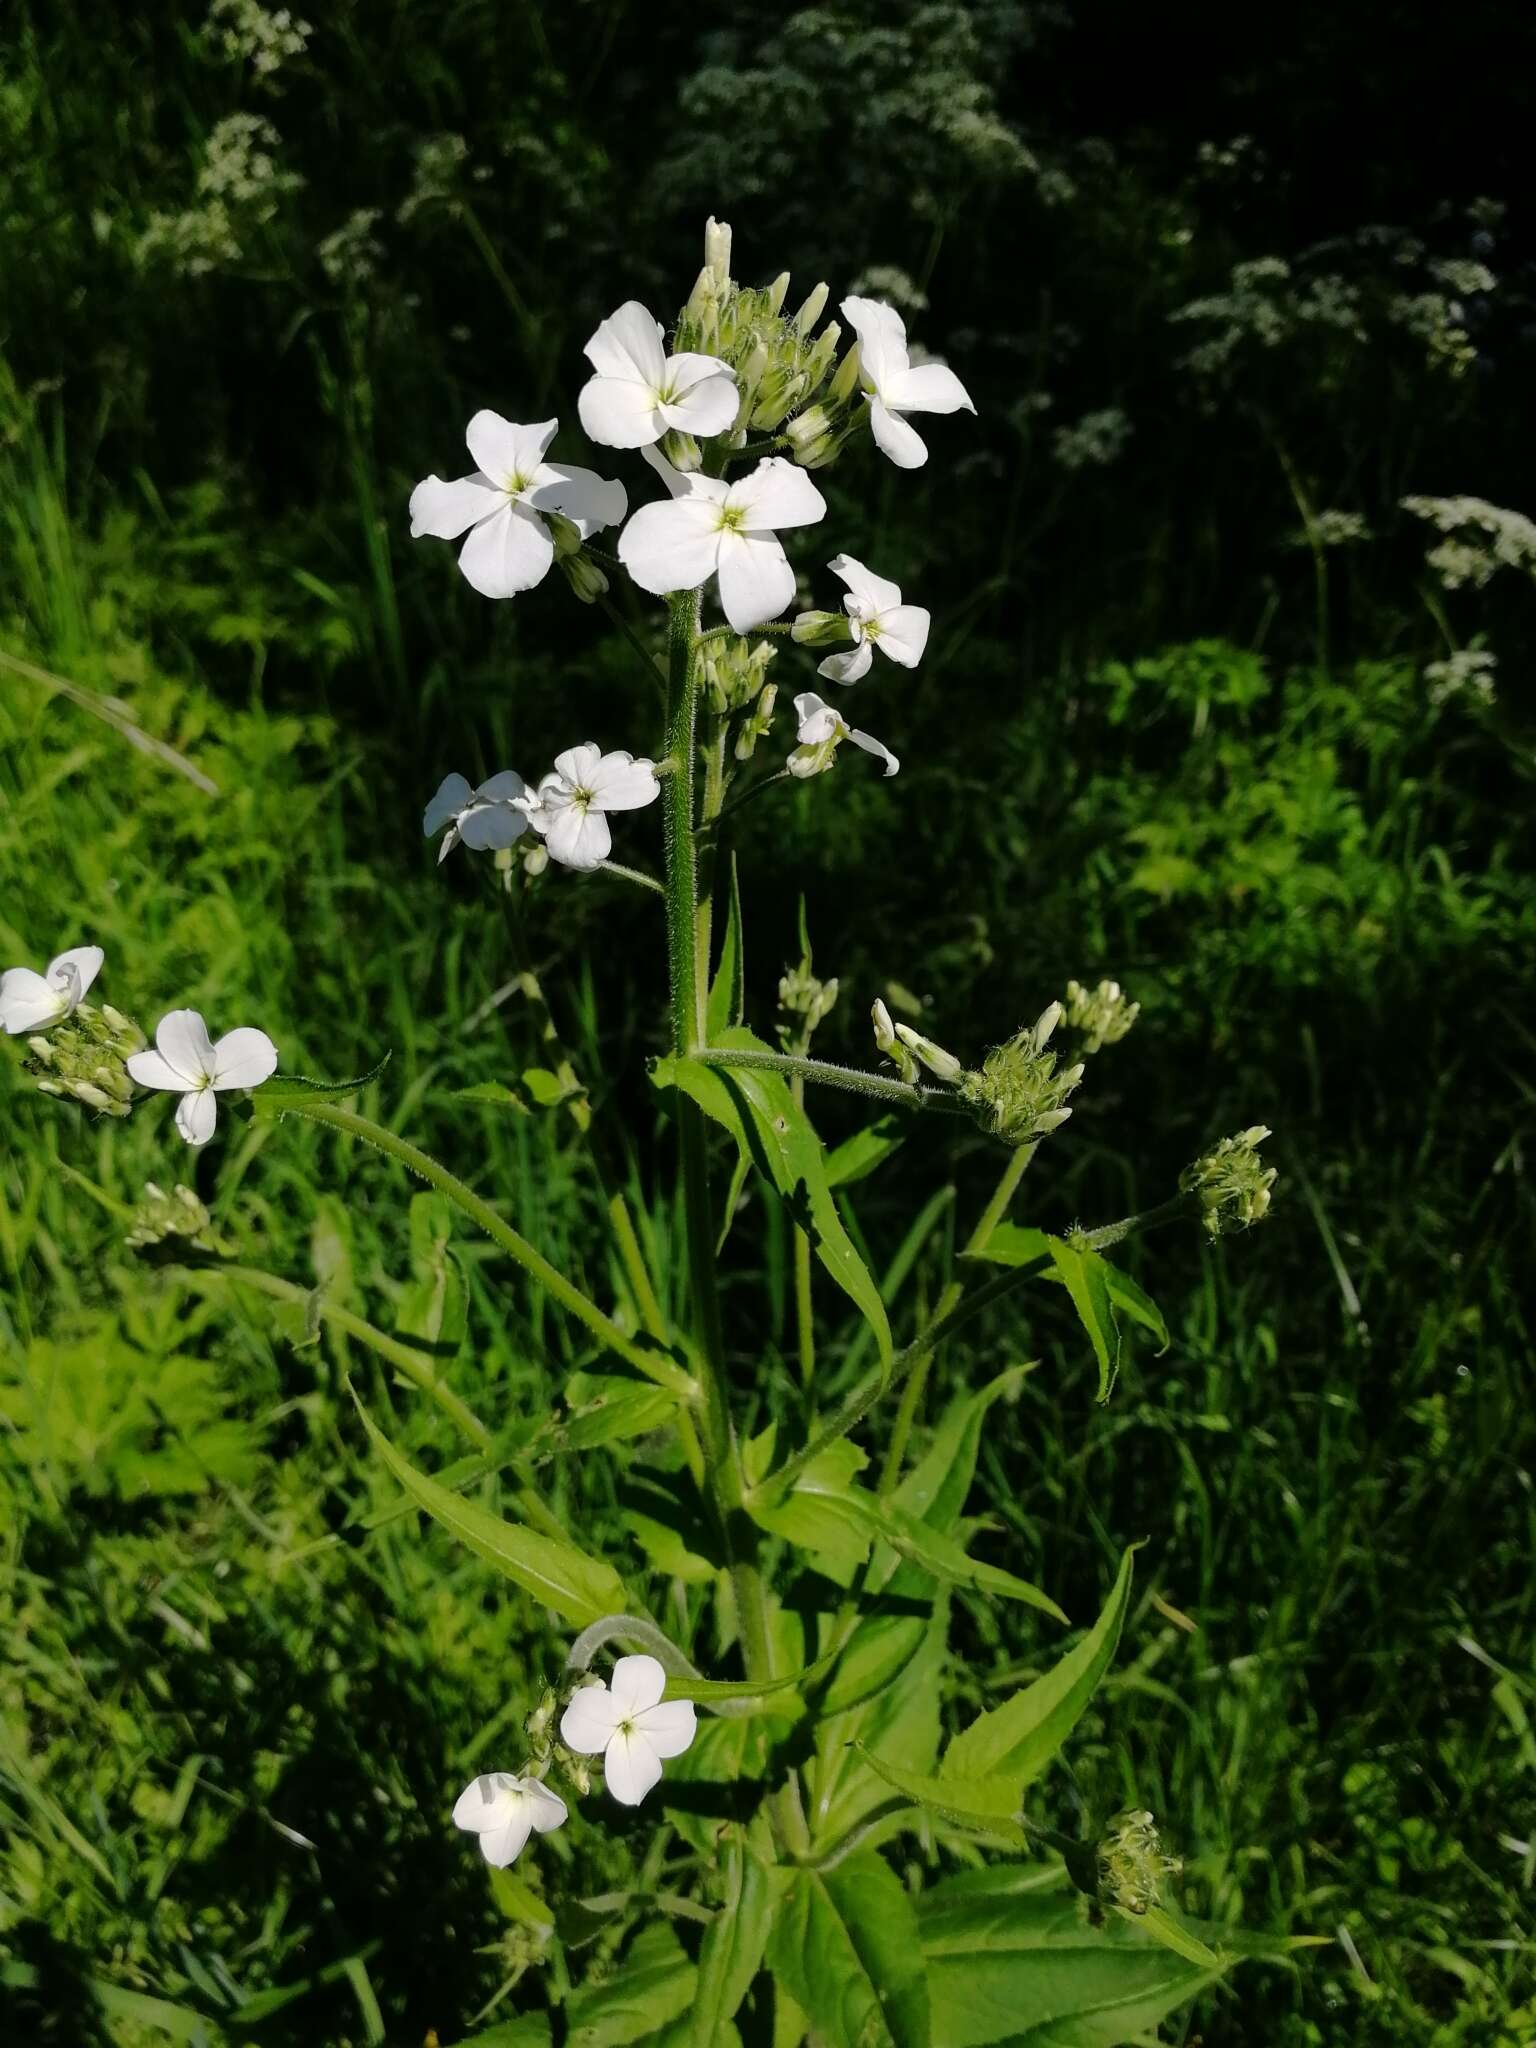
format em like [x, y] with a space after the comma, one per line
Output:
[1101, 1015]
[160, 1217]
[1021, 1091]
[1231, 1182]
[804, 1002]
[584, 575]
[779, 366]
[1132, 1865]
[84, 1055]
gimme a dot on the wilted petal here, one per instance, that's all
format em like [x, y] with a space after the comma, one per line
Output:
[630, 1766]
[673, 546]
[756, 581]
[453, 793]
[196, 1116]
[622, 783]
[816, 720]
[588, 500]
[636, 1684]
[509, 552]
[244, 1059]
[876, 591]
[73, 972]
[902, 443]
[670, 1727]
[876, 747]
[904, 634]
[882, 337]
[619, 412]
[847, 668]
[777, 494]
[444, 510]
[628, 345]
[929, 387]
[28, 1001]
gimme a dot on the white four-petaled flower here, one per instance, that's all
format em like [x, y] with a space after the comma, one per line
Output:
[877, 618]
[485, 819]
[822, 731]
[509, 547]
[569, 807]
[30, 1001]
[191, 1065]
[894, 385]
[504, 1811]
[639, 391]
[629, 1724]
[715, 528]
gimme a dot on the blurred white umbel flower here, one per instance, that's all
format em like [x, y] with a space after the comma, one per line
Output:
[822, 731]
[895, 386]
[640, 392]
[504, 1811]
[509, 547]
[486, 819]
[568, 808]
[876, 618]
[30, 1001]
[630, 1725]
[715, 528]
[191, 1065]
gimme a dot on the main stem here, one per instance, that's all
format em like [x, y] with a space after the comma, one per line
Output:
[723, 1477]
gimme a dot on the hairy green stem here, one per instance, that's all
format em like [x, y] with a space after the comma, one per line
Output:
[854, 1080]
[664, 1371]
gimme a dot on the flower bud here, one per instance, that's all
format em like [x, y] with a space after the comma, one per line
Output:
[821, 629]
[777, 292]
[1018, 1090]
[755, 725]
[40, 1050]
[846, 381]
[938, 1062]
[586, 577]
[1102, 1014]
[811, 311]
[887, 1042]
[178, 1217]
[808, 431]
[819, 356]
[778, 395]
[802, 996]
[1231, 1183]
[681, 450]
[717, 252]
[535, 860]
[1132, 1865]
[84, 1056]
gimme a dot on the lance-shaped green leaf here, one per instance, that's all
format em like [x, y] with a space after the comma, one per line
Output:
[757, 1108]
[1013, 1244]
[288, 1091]
[579, 1588]
[845, 1946]
[991, 1804]
[864, 1151]
[1083, 1276]
[1018, 1739]
[727, 992]
[732, 1950]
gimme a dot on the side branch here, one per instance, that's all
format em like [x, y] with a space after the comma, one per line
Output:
[827, 1074]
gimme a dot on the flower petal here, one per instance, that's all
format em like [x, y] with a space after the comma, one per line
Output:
[27, 1002]
[244, 1059]
[628, 344]
[878, 748]
[686, 483]
[882, 340]
[508, 552]
[670, 1727]
[578, 766]
[487, 827]
[756, 581]
[487, 1802]
[624, 784]
[579, 838]
[504, 787]
[588, 500]
[196, 1115]
[501, 1846]
[80, 965]
[453, 793]
[588, 1722]
[817, 721]
[546, 1809]
[505, 449]
[444, 510]
[903, 444]
[928, 387]
[183, 1039]
[705, 404]
[619, 412]
[904, 633]
[672, 546]
[847, 668]
[637, 1683]
[153, 1070]
[630, 1767]
[777, 494]
[877, 591]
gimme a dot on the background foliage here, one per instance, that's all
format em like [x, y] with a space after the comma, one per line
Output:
[1198, 716]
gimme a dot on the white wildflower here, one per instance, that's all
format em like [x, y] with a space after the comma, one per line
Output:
[728, 530]
[894, 385]
[504, 1811]
[569, 809]
[640, 393]
[876, 618]
[822, 731]
[188, 1063]
[630, 1726]
[486, 819]
[30, 1001]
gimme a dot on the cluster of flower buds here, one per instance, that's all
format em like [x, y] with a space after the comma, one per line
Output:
[584, 575]
[1101, 1016]
[85, 1055]
[779, 366]
[161, 1218]
[804, 1003]
[1231, 1182]
[1020, 1090]
[1132, 1865]
[734, 672]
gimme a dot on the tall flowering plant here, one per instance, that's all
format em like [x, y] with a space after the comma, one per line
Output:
[771, 1668]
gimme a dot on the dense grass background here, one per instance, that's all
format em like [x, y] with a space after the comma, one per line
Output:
[1175, 728]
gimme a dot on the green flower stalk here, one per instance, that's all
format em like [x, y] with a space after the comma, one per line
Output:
[1231, 1182]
